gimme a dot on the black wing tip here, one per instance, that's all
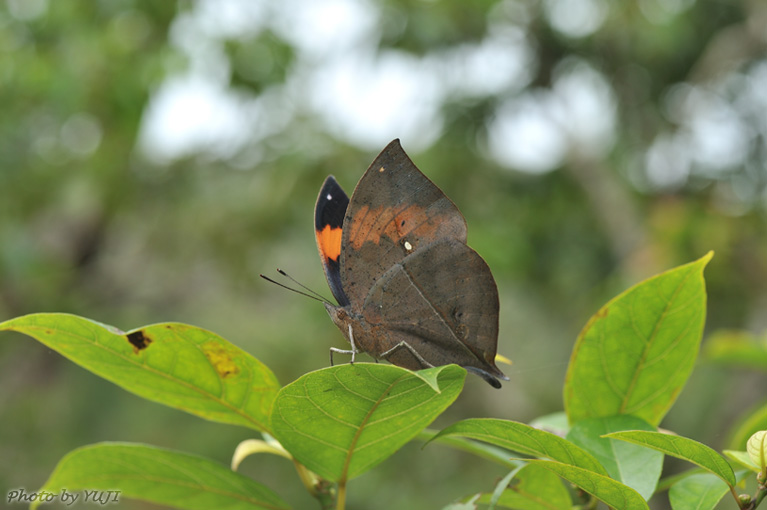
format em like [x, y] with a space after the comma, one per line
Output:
[333, 215]
[488, 377]
[331, 185]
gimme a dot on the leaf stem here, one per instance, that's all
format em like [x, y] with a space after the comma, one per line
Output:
[341, 496]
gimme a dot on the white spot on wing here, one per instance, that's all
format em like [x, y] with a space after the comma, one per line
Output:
[329, 196]
[408, 246]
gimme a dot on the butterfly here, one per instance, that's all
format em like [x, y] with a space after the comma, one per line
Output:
[409, 289]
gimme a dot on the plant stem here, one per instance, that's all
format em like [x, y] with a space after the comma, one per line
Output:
[759, 496]
[317, 487]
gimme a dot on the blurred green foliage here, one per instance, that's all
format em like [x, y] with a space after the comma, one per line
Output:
[95, 223]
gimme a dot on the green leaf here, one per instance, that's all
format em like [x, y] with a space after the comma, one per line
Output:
[755, 420]
[682, 448]
[482, 450]
[757, 448]
[636, 353]
[250, 447]
[554, 422]
[639, 468]
[737, 348]
[697, 492]
[741, 458]
[524, 439]
[343, 420]
[666, 482]
[177, 365]
[604, 488]
[161, 476]
[502, 485]
[536, 488]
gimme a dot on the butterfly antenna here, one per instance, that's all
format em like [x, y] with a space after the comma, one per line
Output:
[286, 275]
[310, 294]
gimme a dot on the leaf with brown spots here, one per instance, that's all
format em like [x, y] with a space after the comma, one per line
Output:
[139, 340]
[181, 366]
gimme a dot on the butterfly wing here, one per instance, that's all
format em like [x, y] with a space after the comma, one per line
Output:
[443, 302]
[329, 215]
[394, 210]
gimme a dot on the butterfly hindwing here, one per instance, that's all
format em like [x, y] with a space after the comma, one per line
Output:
[447, 316]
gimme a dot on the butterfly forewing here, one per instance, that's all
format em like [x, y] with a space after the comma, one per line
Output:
[329, 215]
[394, 211]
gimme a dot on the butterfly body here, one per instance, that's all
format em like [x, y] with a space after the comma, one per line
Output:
[409, 289]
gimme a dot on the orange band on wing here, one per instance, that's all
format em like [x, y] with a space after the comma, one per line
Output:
[329, 241]
[372, 224]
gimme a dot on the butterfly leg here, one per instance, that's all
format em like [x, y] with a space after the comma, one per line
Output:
[353, 351]
[410, 348]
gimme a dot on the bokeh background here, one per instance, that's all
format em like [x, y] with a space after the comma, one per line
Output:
[155, 157]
